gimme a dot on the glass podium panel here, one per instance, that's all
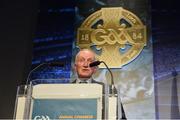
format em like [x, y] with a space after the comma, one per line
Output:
[54, 99]
[60, 101]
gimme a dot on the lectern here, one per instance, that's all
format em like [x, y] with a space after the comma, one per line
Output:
[65, 102]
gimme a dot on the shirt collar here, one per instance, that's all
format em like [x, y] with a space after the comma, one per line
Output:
[89, 80]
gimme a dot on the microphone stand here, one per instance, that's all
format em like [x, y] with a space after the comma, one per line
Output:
[34, 69]
[27, 90]
[114, 90]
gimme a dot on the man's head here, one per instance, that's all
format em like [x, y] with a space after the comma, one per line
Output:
[82, 61]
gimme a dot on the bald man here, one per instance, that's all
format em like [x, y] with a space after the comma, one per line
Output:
[83, 58]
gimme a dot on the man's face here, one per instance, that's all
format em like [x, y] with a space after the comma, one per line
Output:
[84, 58]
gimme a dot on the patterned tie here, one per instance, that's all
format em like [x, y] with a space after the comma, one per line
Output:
[83, 81]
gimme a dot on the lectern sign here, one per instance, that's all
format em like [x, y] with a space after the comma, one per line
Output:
[117, 33]
[64, 109]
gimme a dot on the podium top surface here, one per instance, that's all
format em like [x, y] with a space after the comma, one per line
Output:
[67, 91]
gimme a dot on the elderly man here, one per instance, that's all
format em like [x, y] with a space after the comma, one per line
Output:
[83, 58]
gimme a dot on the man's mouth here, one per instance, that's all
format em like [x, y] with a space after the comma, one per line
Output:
[85, 69]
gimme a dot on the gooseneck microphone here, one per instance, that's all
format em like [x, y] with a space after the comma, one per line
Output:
[28, 87]
[51, 64]
[34, 69]
[96, 63]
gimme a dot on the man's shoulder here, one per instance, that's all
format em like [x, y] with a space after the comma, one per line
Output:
[74, 81]
[94, 81]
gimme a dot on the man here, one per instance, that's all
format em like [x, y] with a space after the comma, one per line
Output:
[84, 73]
[82, 60]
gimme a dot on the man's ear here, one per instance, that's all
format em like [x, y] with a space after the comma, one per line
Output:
[75, 67]
[95, 69]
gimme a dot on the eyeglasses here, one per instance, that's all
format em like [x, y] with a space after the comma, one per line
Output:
[83, 60]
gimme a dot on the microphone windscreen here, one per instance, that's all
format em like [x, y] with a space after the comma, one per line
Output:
[95, 63]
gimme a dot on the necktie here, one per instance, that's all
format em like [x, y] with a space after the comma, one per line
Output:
[83, 82]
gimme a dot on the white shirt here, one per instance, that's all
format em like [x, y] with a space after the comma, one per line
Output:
[84, 80]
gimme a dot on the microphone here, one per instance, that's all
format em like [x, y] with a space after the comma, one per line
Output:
[95, 63]
[51, 64]
[114, 90]
[34, 69]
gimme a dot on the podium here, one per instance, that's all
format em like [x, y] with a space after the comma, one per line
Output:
[65, 101]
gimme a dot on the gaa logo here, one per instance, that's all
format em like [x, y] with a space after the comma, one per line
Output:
[117, 35]
[41, 117]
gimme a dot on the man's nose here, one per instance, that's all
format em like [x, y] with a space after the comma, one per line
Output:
[86, 64]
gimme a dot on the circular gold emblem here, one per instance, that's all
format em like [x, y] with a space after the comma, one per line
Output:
[117, 34]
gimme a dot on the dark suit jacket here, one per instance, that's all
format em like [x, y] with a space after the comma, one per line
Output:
[93, 81]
